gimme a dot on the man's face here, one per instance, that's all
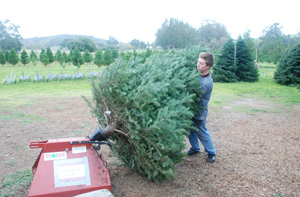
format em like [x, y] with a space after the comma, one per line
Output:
[201, 65]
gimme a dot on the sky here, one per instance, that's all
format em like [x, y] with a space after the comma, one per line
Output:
[126, 20]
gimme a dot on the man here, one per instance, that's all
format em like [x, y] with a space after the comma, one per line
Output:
[205, 62]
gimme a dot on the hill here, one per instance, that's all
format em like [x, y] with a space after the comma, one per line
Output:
[54, 41]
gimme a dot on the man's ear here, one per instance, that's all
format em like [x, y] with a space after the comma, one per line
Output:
[208, 67]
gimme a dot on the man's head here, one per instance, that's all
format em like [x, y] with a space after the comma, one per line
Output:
[205, 62]
[208, 57]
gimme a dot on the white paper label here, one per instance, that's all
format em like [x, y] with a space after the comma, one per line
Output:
[71, 171]
[78, 149]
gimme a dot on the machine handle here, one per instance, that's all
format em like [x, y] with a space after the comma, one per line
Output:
[40, 144]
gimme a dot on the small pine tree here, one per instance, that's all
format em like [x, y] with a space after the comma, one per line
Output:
[288, 69]
[87, 56]
[24, 57]
[246, 70]
[65, 55]
[44, 58]
[107, 57]
[33, 56]
[2, 58]
[42, 55]
[13, 57]
[114, 53]
[7, 55]
[98, 60]
[61, 61]
[57, 55]
[50, 55]
[225, 68]
[77, 59]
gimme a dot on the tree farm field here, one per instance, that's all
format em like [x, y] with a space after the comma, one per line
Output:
[255, 128]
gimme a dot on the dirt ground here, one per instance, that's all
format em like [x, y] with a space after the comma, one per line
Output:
[258, 152]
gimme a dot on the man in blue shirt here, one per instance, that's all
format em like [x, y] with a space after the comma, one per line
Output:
[205, 62]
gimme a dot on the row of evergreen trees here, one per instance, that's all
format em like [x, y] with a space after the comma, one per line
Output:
[235, 63]
[46, 57]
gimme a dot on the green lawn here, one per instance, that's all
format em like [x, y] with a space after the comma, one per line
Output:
[223, 93]
[265, 89]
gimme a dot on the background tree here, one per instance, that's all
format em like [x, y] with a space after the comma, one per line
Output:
[13, 57]
[250, 43]
[70, 56]
[98, 60]
[57, 55]
[272, 45]
[65, 55]
[33, 56]
[135, 43]
[62, 61]
[87, 56]
[288, 69]
[114, 53]
[290, 41]
[107, 57]
[6, 55]
[2, 58]
[24, 57]
[212, 32]
[82, 43]
[77, 59]
[175, 34]
[216, 45]
[246, 70]
[44, 59]
[50, 55]
[224, 69]
[112, 41]
[138, 44]
[9, 36]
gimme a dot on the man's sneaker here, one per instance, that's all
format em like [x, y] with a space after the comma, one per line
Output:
[211, 158]
[192, 152]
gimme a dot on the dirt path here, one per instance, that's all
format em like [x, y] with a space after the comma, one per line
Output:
[258, 151]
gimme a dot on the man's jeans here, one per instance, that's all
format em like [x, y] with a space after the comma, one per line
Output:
[203, 135]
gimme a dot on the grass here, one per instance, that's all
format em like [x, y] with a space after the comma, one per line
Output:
[14, 181]
[24, 93]
[265, 89]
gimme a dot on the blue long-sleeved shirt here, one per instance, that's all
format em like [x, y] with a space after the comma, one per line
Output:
[207, 84]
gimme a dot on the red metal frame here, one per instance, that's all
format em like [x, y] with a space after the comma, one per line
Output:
[43, 183]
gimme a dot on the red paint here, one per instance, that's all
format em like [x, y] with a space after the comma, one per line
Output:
[43, 183]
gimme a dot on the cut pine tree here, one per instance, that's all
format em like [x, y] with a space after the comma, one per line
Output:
[151, 105]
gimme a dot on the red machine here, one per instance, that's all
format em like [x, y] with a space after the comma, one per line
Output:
[68, 167]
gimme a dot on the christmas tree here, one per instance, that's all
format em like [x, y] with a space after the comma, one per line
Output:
[24, 57]
[288, 69]
[225, 68]
[2, 58]
[77, 59]
[246, 70]
[149, 106]
[13, 57]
